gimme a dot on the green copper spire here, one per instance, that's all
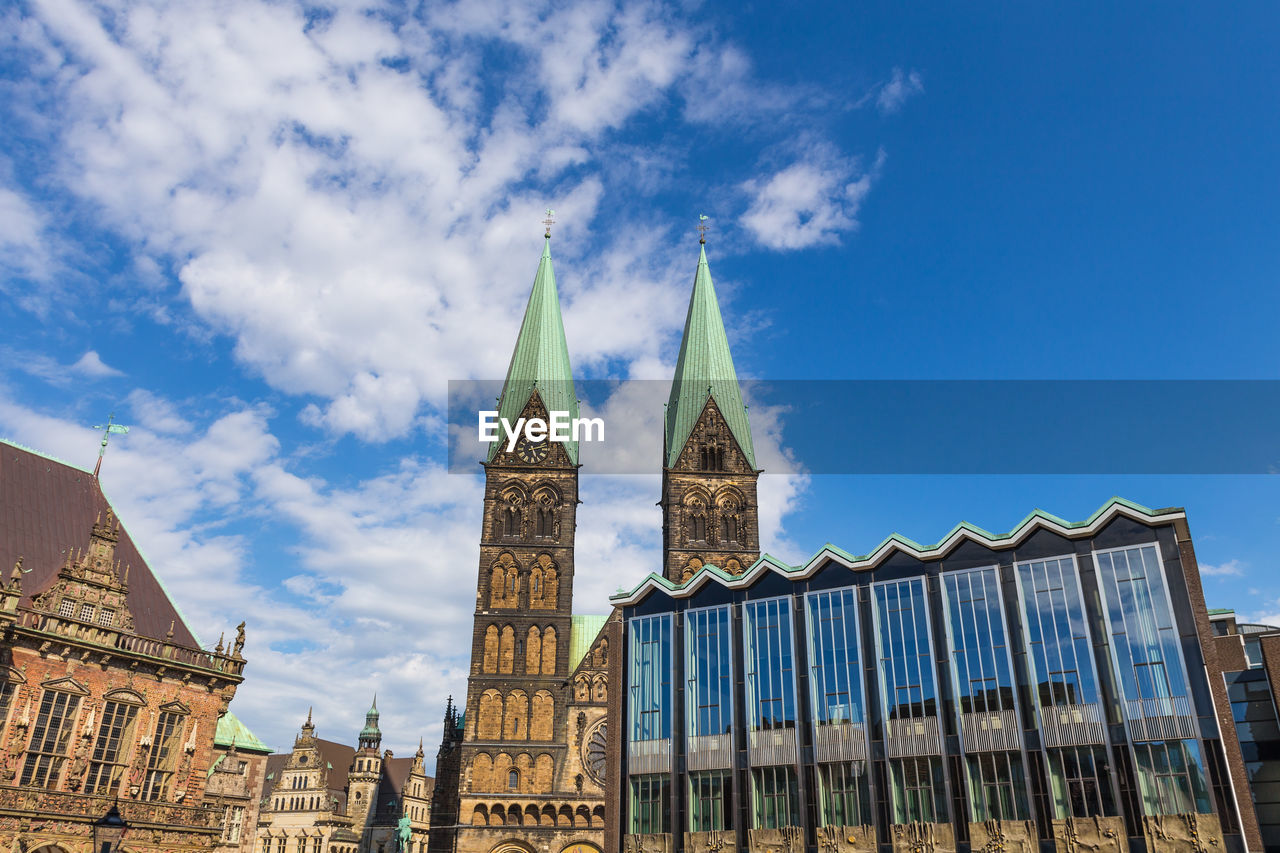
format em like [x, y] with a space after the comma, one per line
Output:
[541, 358]
[705, 369]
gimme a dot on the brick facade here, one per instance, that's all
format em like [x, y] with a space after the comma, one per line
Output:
[104, 694]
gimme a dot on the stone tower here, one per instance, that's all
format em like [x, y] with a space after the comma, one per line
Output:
[366, 771]
[518, 760]
[709, 508]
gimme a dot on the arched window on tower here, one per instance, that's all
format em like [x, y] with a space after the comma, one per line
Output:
[513, 780]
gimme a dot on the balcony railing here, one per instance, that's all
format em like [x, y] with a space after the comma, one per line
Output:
[133, 644]
[990, 731]
[649, 756]
[1072, 725]
[710, 752]
[1160, 718]
[771, 746]
[839, 742]
[912, 736]
[61, 804]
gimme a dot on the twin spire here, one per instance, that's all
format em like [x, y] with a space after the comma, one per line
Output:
[704, 370]
[540, 361]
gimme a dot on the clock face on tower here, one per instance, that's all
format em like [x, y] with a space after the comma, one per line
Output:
[531, 452]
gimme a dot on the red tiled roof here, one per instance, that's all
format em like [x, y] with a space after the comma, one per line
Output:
[48, 508]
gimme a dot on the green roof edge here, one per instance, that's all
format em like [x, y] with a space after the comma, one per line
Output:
[899, 539]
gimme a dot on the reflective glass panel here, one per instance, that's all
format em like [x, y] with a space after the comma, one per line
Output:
[771, 691]
[650, 677]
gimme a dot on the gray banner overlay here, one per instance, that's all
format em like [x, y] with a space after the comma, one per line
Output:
[936, 426]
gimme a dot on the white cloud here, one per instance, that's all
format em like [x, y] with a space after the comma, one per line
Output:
[808, 203]
[91, 364]
[1231, 568]
[901, 86]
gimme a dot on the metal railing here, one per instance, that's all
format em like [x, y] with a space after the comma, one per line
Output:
[771, 746]
[1072, 725]
[649, 756]
[990, 731]
[912, 736]
[839, 742]
[1160, 718]
[709, 752]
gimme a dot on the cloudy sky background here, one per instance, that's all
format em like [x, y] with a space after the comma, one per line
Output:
[265, 235]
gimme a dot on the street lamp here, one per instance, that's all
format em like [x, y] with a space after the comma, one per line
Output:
[108, 830]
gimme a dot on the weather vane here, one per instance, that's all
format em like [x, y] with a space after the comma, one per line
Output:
[550, 220]
[702, 227]
[110, 427]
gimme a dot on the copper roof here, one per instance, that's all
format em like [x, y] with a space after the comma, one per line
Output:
[47, 509]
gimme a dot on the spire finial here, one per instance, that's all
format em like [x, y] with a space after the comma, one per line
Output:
[549, 221]
[107, 429]
[309, 714]
[702, 228]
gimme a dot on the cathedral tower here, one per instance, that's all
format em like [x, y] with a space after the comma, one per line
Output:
[709, 509]
[515, 776]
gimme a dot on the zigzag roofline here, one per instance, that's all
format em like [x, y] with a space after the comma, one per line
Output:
[894, 544]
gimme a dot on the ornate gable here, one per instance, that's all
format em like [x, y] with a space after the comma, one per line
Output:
[92, 586]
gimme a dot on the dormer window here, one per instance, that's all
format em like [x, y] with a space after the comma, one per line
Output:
[67, 609]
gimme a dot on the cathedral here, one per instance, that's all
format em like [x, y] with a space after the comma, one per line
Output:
[523, 770]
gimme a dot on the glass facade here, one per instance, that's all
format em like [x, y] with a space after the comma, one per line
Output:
[982, 670]
[708, 672]
[1144, 642]
[650, 806]
[951, 696]
[1058, 644]
[907, 685]
[836, 681]
[710, 800]
[771, 688]
[843, 798]
[1253, 709]
[1080, 782]
[650, 678]
[775, 798]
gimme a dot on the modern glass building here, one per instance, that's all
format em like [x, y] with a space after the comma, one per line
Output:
[1052, 688]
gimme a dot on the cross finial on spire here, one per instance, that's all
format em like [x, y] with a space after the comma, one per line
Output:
[549, 221]
[702, 228]
[107, 429]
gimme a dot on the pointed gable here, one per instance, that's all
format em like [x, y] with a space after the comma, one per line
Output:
[705, 371]
[540, 361]
[48, 510]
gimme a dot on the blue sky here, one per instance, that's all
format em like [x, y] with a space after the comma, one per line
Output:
[265, 235]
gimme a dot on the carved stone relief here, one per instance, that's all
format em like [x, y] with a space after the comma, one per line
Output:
[847, 839]
[652, 843]
[1003, 836]
[1081, 834]
[786, 839]
[923, 838]
[1183, 833]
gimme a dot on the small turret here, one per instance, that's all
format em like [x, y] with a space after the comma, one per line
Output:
[371, 735]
